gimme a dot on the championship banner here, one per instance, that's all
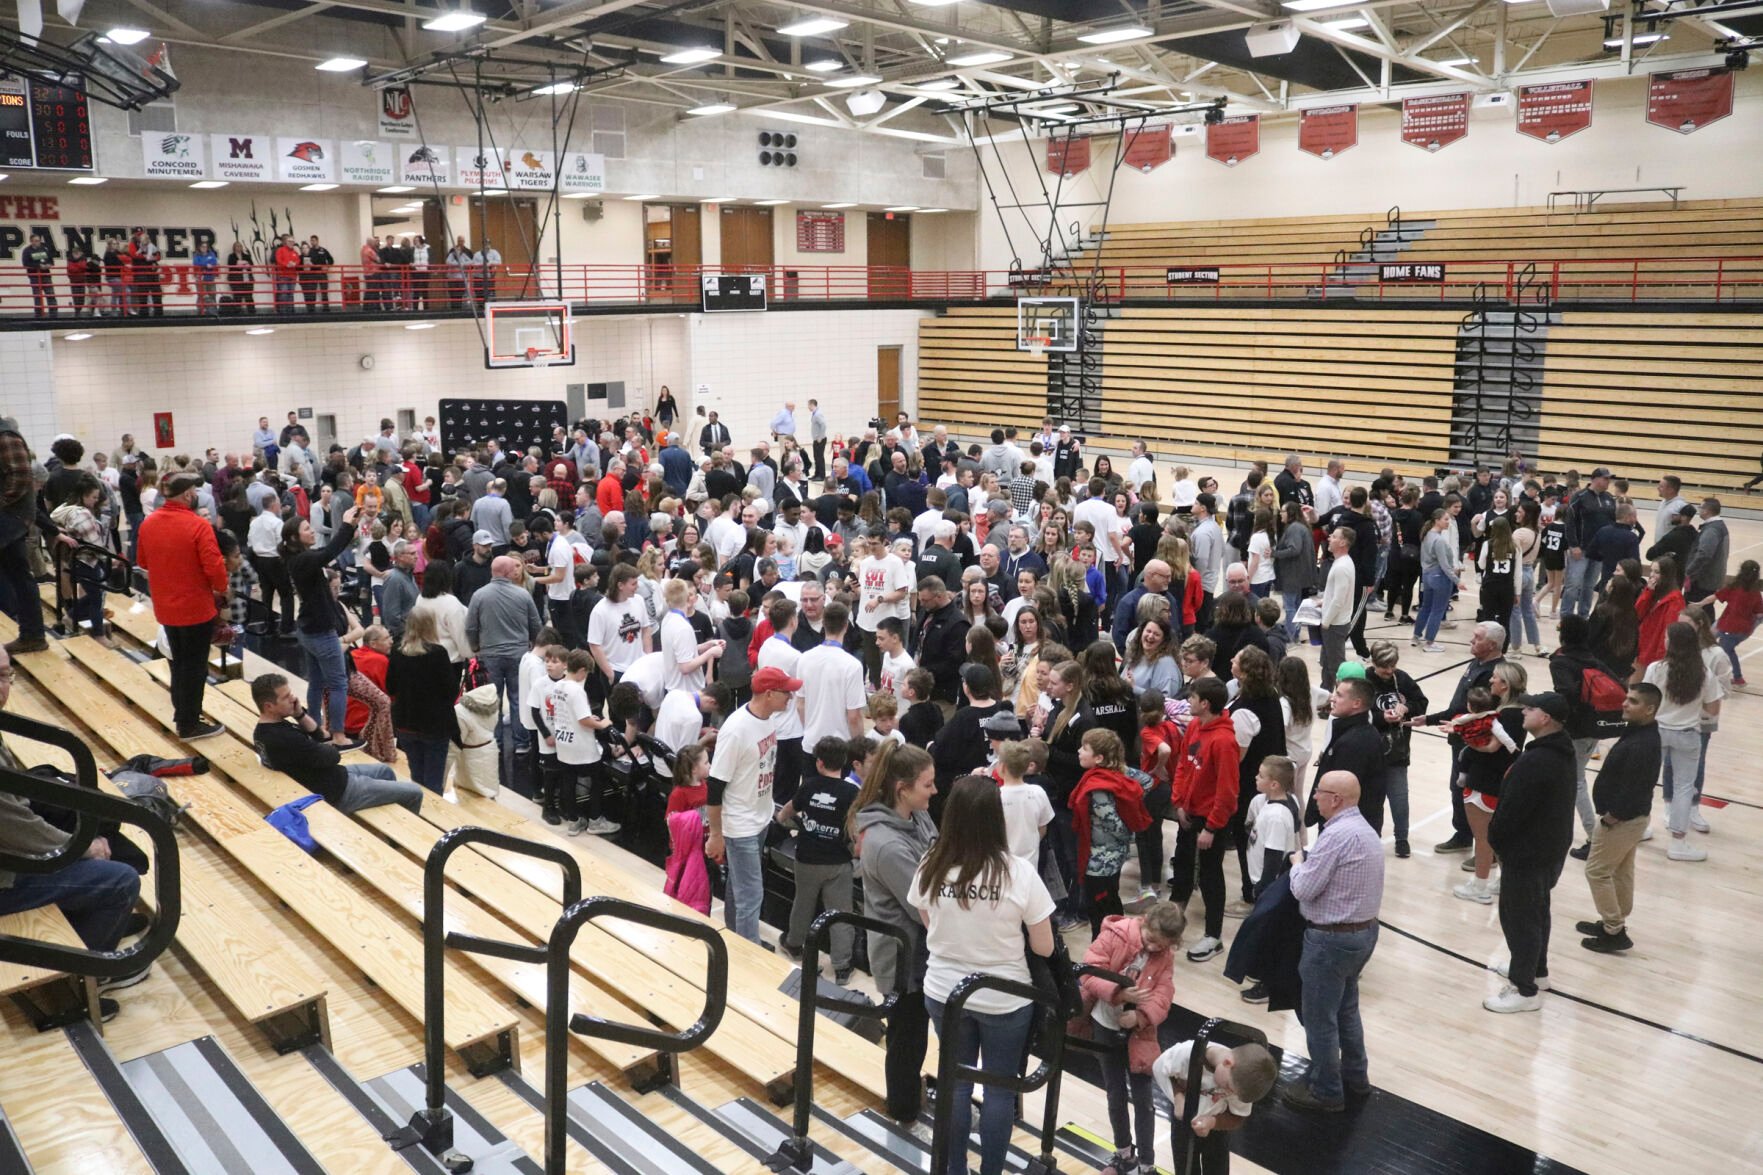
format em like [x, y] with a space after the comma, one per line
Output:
[368, 161]
[306, 161]
[1326, 131]
[1149, 149]
[1234, 139]
[1068, 156]
[397, 113]
[1687, 100]
[244, 158]
[1435, 123]
[172, 156]
[1554, 111]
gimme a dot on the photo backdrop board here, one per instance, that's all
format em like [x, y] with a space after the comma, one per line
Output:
[513, 424]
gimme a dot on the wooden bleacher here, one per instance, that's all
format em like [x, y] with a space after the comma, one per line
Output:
[1654, 394]
[972, 377]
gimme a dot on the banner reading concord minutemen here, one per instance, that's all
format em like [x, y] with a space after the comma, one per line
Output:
[1326, 131]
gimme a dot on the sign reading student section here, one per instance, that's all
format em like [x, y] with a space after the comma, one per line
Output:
[1552, 112]
[1234, 139]
[1435, 123]
[1687, 100]
[1191, 277]
[1326, 131]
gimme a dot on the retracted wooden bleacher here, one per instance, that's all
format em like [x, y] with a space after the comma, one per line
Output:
[1306, 244]
[971, 376]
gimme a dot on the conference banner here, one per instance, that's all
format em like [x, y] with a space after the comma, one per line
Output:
[1554, 111]
[1148, 149]
[1433, 124]
[1687, 100]
[1326, 131]
[1234, 139]
[397, 113]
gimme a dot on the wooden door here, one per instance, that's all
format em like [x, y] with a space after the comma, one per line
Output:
[688, 252]
[512, 226]
[887, 383]
[746, 239]
[890, 255]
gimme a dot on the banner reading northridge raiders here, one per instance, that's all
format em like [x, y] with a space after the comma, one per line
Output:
[1326, 131]
[1435, 123]
[242, 158]
[1687, 100]
[1552, 112]
[368, 161]
[172, 156]
[1234, 139]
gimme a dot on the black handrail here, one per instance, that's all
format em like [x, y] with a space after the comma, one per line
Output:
[575, 916]
[432, 1125]
[1056, 1081]
[1393, 218]
[1190, 1107]
[64, 557]
[950, 1072]
[89, 806]
[796, 1153]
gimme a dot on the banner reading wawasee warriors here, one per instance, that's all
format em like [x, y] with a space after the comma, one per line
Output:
[1326, 131]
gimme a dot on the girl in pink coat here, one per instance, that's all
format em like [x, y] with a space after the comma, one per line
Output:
[1143, 949]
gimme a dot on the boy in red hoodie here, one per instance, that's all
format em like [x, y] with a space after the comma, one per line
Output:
[1107, 812]
[1204, 794]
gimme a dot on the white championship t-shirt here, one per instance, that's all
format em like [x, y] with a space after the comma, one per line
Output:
[778, 653]
[832, 685]
[746, 763]
[1027, 810]
[566, 706]
[986, 936]
[894, 668]
[875, 578]
[618, 629]
[679, 643]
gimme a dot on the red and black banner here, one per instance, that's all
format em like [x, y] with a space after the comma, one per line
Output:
[1435, 123]
[1148, 149]
[1554, 111]
[1326, 131]
[1687, 100]
[1068, 156]
[1234, 139]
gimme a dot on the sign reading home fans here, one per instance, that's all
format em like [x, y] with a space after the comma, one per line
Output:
[1416, 272]
[1148, 149]
[516, 425]
[1554, 111]
[1233, 140]
[1326, 131]
[1068, 156]
[1687, 100]
[1435, 123]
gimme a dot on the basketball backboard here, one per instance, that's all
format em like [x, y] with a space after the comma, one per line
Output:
[528, 334]
[1046, 324]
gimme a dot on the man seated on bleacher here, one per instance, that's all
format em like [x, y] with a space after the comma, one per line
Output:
[97, 895]
[288, 740]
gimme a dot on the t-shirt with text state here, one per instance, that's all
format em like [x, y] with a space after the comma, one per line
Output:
[745, 763]
[566, 704]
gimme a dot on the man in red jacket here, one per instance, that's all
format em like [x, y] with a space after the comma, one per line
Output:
[186, 577]
[1204, 796]
[287, 274]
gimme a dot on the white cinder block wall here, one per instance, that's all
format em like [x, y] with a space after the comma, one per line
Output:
[217, 381]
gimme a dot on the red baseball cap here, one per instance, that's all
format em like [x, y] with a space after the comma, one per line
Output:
[771, 678]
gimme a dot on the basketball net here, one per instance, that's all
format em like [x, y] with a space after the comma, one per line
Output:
[1037, 344]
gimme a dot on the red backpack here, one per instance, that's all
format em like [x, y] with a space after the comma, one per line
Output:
[1603, 695]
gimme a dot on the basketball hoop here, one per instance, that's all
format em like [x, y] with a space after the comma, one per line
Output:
[532, 354]
[1037, 344]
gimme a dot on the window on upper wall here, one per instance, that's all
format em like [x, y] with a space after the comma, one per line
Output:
[608, 131]
[154, 118]
[935, 165]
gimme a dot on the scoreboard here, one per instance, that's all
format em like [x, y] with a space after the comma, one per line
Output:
[44, 126]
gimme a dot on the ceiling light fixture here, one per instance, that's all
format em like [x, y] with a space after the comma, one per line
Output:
[844, 205]
[340, 64]
[128, 36]
[419, 326]
[78, 336]
[1316, 5]
[824, 65]
[580, 195]
[865, 102]
[856, 79]
[558, 88]
[980, 57]
[646, 197]
[722, 200]
[395, 189]
[454, 22]
[770, 203]
[1458, 60]
[1639, 39]
[902, 208]
[1113, 36]
[1345, 24]
[89, 181]
[712, 108]
[261, 330]
[935, 3]
[206, 185]
[812, 26]
[941, 84]
[930, 211]
[317, 187]
[691, 56]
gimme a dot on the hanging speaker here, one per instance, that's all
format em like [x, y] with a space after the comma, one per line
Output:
[765, 138]
[1272, 40]
[790, 159]
[1577, 7]
[789, 140]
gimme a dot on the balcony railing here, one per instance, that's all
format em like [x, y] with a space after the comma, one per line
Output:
[182, 290]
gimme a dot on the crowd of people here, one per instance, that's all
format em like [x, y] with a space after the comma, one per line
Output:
[984, 680]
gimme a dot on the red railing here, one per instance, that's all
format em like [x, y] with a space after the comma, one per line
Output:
[179, 288]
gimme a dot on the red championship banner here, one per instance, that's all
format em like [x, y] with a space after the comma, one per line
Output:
[1326, 131]
[1234, 139]
[1434, 123]
[1554, 111]
[1068, 156]
[1148, 149]
[1689, 99]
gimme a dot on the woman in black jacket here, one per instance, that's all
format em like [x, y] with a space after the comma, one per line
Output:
[1110, 697]
[1257, 710]
[321, 620]
[1234, 628]
[1076, 606]
[1404, 569]
[421, 681]
[1063, 731]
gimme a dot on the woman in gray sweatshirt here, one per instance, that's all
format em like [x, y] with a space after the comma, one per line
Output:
[1438, 577]
[1294, 563]
[891, 830]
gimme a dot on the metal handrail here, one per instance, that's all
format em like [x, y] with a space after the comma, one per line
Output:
[1190, 1107]
[563, 935]
[64, 557]
[90, 806]
[796, 1153]
[432, 1124]
[950, 1072]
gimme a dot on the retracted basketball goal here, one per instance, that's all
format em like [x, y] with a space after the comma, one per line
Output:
[528, 334]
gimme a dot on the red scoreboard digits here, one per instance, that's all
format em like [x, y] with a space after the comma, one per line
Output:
[44, 126]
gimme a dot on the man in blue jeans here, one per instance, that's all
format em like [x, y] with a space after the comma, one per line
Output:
[740, 796]
[1339, 887]
[501, 623]
[1589, 511]
[288, 739]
